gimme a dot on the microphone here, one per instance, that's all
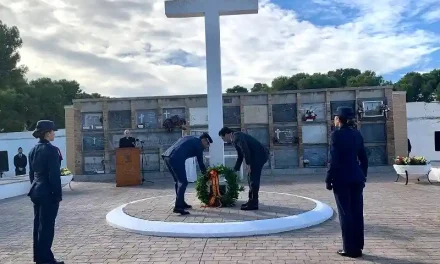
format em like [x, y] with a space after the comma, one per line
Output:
[138, 140]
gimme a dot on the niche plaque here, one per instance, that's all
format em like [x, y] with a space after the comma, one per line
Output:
[119, 119]
[231, 115]
[93, 142]
[284, 113]
[92, 121]
[147, 118]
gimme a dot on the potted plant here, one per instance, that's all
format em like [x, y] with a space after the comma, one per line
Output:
[66, 177]
[415, 167]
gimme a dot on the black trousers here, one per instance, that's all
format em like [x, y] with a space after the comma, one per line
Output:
[19, 172]
[177, 170]
[45, 213]
[350, 203]
[254, 182]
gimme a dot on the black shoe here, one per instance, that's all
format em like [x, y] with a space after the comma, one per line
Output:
[249, 207]
[180, 211]
[244, 205]
[52, 262]
[350, 255]
[187, 206]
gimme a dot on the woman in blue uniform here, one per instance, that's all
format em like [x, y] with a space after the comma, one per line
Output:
[346, 176]
[45, 192]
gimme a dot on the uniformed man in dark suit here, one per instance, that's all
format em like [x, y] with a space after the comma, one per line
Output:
[20, 162]
[45, 192]
[255, 156]
[346, 176]
[127, 141]
[175, 157]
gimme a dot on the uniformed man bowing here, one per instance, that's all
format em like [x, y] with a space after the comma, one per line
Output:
[255, 156]
[175, 157]
[346, 176]
[45, 192]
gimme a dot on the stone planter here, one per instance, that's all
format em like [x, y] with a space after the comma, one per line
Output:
[66, 180]
[412, 171]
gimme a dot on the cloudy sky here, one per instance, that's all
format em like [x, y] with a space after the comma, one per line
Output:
[129, 48]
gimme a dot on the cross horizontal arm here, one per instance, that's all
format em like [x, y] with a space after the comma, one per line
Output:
[184, 8]
[237, 7]
[197, 8]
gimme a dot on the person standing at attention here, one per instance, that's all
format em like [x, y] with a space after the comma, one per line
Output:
[346, 176]
[255, 156]
[45, 191]
[20, 163]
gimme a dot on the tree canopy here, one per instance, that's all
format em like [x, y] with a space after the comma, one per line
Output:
[420, 87]
[23, 102]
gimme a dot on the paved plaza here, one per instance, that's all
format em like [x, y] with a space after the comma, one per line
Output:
[402, 226]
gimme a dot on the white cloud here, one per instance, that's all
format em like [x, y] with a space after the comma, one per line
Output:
[432, 15]
[120, 48]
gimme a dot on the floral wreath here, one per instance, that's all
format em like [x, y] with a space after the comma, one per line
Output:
[208, 187]
[172, 122]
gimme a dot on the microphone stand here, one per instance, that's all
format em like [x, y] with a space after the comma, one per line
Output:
[143, 171]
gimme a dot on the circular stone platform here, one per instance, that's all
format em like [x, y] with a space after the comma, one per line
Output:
[278, 212]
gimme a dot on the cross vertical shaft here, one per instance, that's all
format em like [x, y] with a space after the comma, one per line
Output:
[214, 79]
[212, 10]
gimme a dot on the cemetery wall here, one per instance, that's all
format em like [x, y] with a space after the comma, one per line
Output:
[12, 141]
[423, 120]
[94, 126]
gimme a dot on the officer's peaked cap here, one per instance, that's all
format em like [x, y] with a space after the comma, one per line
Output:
[207, 136]
[42, 127]
[346, 112]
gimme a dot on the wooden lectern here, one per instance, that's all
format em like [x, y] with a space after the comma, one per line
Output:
[128, 167]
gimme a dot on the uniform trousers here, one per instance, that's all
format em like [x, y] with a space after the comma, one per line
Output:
[254, 178]
[45, 213]
[350, 203]
[177, 170]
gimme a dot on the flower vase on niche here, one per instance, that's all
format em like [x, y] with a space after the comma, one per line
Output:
[309, 116]
[306, 163]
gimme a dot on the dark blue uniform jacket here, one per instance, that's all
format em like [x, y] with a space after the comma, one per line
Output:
[250, 149]
[348, 157]
[44, 171]
[185, 148]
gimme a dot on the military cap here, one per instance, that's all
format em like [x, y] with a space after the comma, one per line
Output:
[43, 126]
[207, 136]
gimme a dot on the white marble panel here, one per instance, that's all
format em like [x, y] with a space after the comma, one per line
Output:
[198, 116]
[314, 133]
[256, 114]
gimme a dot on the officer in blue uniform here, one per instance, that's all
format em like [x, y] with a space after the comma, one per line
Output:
[346, 176]
[255, 156]
[45, 192]
[175, 157]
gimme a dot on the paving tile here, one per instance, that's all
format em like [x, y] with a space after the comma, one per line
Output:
[402, 225]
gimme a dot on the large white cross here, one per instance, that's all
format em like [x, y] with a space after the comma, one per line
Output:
[212, 10]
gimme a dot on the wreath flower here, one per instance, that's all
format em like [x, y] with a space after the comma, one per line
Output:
[209, 190]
